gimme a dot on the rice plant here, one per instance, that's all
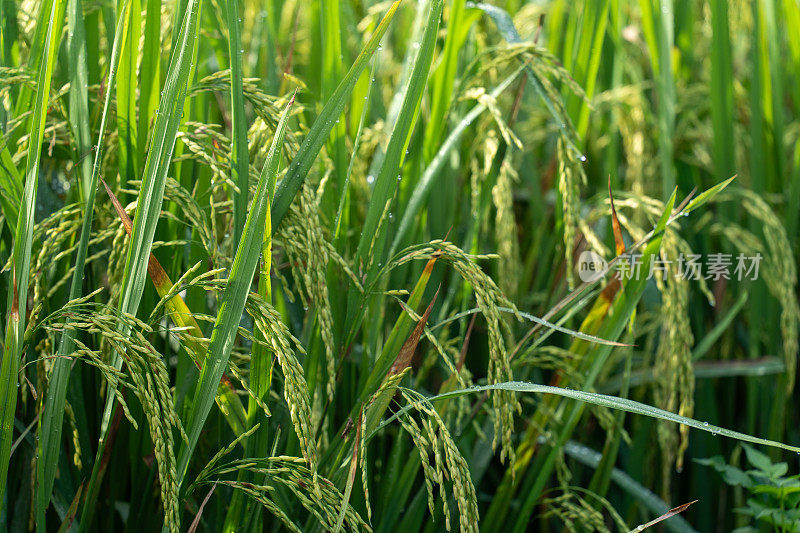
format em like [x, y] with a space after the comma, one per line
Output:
[403, 265]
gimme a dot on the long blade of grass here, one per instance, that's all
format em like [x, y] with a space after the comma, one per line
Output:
[425, 184]
[151, 195]
[657, 25]
[9, 33]
[301, 164]
[587, 64]
[36, 58]
[722, 90]
[261, 361]
[240, 163]
[158, 160]
[444, 76]
[373, 235]
[127, 135]
[17, 298]
[602, 400]
[234, 298]
[52, 419]
[337, 222]
[149, 73]
[78, 93]
[332, 56]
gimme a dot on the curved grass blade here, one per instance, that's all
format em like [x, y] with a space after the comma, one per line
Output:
[426, 182]
[312, 144]
[234, 298]
[602, 400]
[52, 419]
[17, 298]
[240, 163]
[386, 181]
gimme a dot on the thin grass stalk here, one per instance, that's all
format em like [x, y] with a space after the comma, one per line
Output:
[51, 422]
[78, 95]
[126, 86]
[17, 299]
[240, 164]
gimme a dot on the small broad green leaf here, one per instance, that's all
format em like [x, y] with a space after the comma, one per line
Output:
[707, 195]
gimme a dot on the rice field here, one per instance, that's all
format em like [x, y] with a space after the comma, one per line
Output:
[413, 265]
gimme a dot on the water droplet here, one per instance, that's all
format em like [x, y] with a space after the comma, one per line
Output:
[705, 424]
[370, 179]
[582, 157]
